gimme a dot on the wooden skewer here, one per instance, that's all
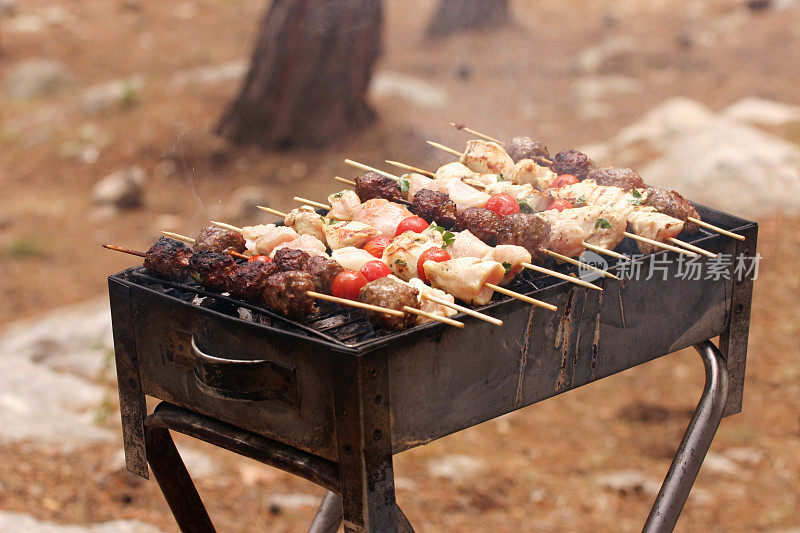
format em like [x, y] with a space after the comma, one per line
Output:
[124, 250]
[418, 170]
[312, 203]
[445, 148]
[432, 316]
[178, 237]
[518, 296]
[577, 263]
[719, 230]
[601, 250]
[692, 247]
[362, 166]
[348, 182]
[659, 244]
[465, 310]
[355, 303]
[461, 127]
[559, 275]
[273, 211]
[226, 226]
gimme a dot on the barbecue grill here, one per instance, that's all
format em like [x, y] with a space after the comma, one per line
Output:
[333, 398]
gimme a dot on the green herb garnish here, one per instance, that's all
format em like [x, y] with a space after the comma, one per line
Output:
[580, 201]
[525, 207]
[500, 177]
[507, 266]
[332, 221]
[637, 198]
[400, 262]
[448, 236]
[338, 194]
[404, 185]
[602, 223]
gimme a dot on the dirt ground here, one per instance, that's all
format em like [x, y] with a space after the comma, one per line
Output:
[541, 464]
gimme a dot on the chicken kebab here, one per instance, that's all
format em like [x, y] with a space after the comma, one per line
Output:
[290, 282]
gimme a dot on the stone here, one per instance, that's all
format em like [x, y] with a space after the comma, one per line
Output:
[37, 77]
[762, 112]
[455, 467]
[293, 501]
[115, 94]
[211, 74]
[627, 482]
[22, 522]
[719, 464]
[597, 87]
[413, 90]
[27, 23]
[595, 59]
[751, 456]
[122, 189]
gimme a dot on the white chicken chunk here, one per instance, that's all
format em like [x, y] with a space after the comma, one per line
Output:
[261, 239]
[305, 220]
[416, 182]
[589, 192]
[429, 306]
[519, 192]
[486, 157]
[602, 226]
[463, 195]
[381, 214]
[465, 278]
[402, 254]
[342, 204]
[455, 170]
[466, 244]
[352, 233]
[527, 171]
[307, 243]
[352, 258]
[566, 235]
[511, 257]
[647, 222]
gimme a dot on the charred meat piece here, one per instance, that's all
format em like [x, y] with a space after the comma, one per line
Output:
[435, 206]
[323, 270]
[572, 162]
[526, 148]
[285, 293]
[530, 231]
[625, 178]
[216, 239]
[286, 259]
[169, 259]
[673, 204]
[481, 222]
[386, 292]
[211, 269]
[248, 280]
[373, 185]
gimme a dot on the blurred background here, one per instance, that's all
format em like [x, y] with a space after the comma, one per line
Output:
[121, 118]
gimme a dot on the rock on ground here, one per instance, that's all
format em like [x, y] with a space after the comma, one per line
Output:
[35, 77]
[681, 144]
[413, 90]
[122, 189]
[21, 522]
[455, 467]
[762, 112]
[627, 482]
[112, 95]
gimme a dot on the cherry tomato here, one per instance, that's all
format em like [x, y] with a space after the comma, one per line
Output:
[564, 179]
[560, 204]
[373, 270]
[431, 254]
[417, 224]
[503, 204]
[377, 245]
[264, 258]
[347, 284]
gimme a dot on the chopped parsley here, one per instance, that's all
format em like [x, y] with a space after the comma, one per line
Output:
[507, 266]
[338, 194]
[525, 207]
[500, 177]
[447, 236]
[602, 223]
[404, 185]
[332, 221]
[637, 198]
[400, 262]
[580, 201]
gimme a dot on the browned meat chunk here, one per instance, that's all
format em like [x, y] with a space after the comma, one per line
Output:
[572, 162]
[526, 148]
[530, 231]
[435, 206]
[169, 259]
[248, 280]
[211, 269]
[626, 178]
[323, 270]
[290, 259]
[386, 292]
[285, 293]
[373, 185]
[481, 222]
[216, 239]
[673, 204]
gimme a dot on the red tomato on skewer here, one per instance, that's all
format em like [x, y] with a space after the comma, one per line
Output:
[503, 204]
[376, 245]
[560, 204]
[414, 223]
[431, 254]
[373, 270]
[564, 179]
[347, 284]
[264, 258]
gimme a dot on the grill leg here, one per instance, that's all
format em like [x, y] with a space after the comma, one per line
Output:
[329, 515]
[694, 446]
[175, 482]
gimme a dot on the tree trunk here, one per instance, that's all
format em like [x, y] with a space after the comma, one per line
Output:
[309, 74]
[457, 15]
